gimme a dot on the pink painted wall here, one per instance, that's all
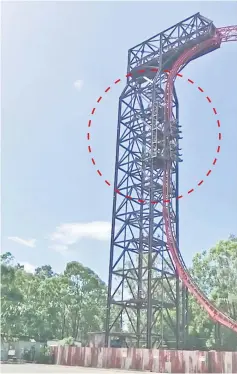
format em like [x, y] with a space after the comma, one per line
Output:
[154, 360]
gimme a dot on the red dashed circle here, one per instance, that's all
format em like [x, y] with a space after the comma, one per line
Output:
[217, 150]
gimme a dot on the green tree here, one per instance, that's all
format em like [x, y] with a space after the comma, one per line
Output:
[11, 295]
[215, 273]
[9, 290]
[46, 305]
[45, 271]
[87, 302]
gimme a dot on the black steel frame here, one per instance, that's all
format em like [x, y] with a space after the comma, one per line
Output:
[147, 304]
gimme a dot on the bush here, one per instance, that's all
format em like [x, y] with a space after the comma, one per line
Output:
[45, 356]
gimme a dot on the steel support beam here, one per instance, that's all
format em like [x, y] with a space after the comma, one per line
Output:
[147, 304]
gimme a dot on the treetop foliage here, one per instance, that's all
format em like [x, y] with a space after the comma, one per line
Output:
[46, 305]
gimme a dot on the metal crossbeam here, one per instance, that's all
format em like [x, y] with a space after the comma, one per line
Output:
[145, 297]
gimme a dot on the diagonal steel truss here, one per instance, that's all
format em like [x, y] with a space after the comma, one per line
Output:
[147, 304]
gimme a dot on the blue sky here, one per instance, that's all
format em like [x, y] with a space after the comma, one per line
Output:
[55, 207]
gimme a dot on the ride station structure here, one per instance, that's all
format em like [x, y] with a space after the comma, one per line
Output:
[148, 281]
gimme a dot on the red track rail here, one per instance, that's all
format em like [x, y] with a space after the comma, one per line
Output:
[223, 34]
[227, 34]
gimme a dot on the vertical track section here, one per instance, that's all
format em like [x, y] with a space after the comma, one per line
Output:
[144, 295]
[202, 299]
[143, 285]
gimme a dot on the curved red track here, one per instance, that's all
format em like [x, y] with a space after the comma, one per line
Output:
[223, 34]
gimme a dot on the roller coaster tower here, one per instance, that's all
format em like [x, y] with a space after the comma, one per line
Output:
[148, 281]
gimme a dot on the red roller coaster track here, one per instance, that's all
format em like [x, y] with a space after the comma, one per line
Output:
[223, 34]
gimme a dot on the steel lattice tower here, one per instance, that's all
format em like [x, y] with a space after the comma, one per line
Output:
[147, 304]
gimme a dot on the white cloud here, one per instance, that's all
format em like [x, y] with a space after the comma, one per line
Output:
[70, 233]
[62, 249]
[29, 268]
[78, 84]
[28, 242]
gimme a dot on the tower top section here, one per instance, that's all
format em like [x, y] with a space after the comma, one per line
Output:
[171, 43]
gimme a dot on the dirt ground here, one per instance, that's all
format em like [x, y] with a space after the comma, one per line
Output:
[34, 369]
